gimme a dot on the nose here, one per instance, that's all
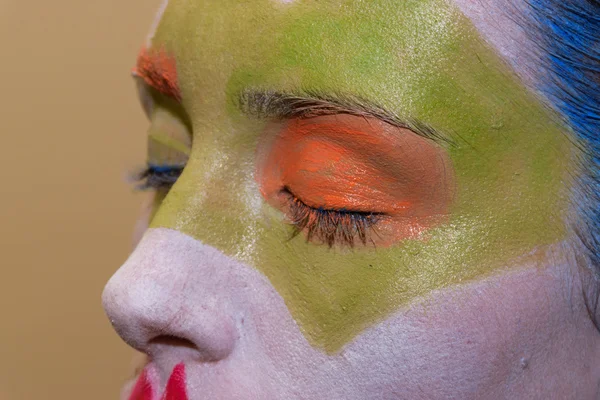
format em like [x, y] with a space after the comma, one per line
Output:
[167, 300]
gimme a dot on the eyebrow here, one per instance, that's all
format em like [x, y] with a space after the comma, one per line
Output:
[281, 105]
[158, 69]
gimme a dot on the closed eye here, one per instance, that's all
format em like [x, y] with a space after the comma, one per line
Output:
[330, 226]
[155, 177]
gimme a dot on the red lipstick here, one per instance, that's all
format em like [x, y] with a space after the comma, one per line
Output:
[175, 389]
[142, 389]
[176, 386]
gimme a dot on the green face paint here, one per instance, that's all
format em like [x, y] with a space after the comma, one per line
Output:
[169, 136]
[421, 59]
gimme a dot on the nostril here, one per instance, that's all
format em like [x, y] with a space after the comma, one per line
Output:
[203, 349]
[172, 341]
[171, 346]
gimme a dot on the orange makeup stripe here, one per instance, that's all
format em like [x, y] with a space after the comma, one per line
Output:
[158, 69]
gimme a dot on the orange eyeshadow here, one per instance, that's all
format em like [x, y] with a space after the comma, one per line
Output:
[351, 163]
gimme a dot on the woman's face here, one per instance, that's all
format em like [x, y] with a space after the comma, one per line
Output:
[372, 206]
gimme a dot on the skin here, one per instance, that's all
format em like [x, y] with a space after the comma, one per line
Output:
[324, 283]
[483, 301]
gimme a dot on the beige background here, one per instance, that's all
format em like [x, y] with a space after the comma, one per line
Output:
[71, 129]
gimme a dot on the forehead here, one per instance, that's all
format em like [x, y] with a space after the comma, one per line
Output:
[156, 22]
[371, 49]
[498, 21]
[347, 35]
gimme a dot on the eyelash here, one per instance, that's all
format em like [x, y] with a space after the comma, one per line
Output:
[155, 177]
[330, 226]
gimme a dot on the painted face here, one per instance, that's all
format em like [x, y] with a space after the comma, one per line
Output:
[353, 200]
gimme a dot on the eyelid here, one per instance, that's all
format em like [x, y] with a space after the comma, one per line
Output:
[170, 142]
[288, 192]
[145, 97]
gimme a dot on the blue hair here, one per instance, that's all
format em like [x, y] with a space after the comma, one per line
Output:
[568, 35]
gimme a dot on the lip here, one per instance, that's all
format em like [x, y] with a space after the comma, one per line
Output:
[146, 387]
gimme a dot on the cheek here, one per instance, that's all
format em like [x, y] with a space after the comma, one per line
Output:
[454, 341]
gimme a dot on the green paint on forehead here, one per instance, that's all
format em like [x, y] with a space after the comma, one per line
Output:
[421, 59]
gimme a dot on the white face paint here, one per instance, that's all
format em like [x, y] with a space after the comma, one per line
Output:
[502, 24]
[494, 339]
[518, 335]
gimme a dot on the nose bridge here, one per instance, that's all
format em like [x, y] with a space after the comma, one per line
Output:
[216, 199]
[167, 290]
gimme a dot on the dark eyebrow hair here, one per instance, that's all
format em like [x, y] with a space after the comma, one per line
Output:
[158, 69]
[281, 105]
